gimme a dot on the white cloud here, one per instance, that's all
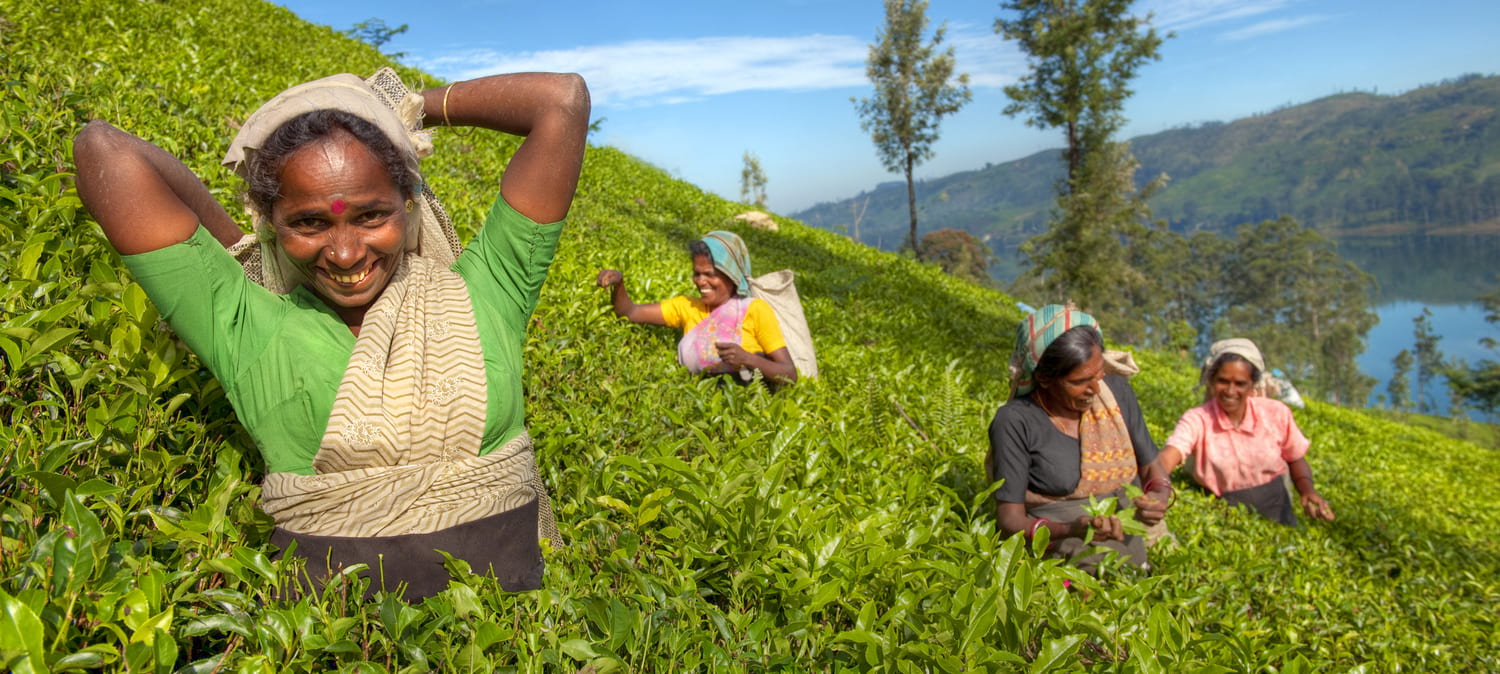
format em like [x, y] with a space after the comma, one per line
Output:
[1189, 14]
[645, 73]
[655, 72]
[665, 72]
[990, 60]
[1272, 26]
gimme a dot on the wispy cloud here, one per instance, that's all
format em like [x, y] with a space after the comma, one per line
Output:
[645, 73]
[1189, 14]
[664, 72]
[655, 72]
[1272, 26]
[989, 60]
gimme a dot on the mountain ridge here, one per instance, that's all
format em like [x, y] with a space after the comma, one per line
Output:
[1356, 164]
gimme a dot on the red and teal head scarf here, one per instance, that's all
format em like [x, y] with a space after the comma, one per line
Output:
[1036, 332]
[731, 257]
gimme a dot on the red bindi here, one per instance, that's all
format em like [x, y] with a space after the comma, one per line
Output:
[338, 206]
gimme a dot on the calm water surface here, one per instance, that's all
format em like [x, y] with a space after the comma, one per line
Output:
[1460, 327]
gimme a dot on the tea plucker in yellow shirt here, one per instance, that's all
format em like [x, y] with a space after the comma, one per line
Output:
[726, 331]
[375, 362]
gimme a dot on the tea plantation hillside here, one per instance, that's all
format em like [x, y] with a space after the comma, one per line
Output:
[840, 525]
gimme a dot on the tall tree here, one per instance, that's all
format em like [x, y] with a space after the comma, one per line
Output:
[753, 182]
[915, 87]
[1083, 54]
[1429, 358]
[1399, 387]
[1087, 254]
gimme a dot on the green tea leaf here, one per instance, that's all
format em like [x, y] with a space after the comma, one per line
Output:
[20, 636]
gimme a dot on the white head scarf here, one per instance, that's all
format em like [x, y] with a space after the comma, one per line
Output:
[382, 100]
[1239, 346]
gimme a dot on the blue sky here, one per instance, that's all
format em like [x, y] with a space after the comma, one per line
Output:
[690, 86]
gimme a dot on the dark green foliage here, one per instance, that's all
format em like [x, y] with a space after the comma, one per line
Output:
[958, 253]
[1082, 55]
[841, 525]
[1478, 386]
[1092, 253]
[1399, 387]
[1429, 358]
[1309, 310]
[375, 33]
[915, 87]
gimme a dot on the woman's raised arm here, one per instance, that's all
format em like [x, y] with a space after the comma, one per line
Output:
[550, 109]
[619, 298]
[143, 197]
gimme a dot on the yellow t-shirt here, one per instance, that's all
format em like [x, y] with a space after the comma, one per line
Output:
[760, 333]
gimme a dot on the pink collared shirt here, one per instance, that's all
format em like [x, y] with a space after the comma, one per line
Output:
[1224, 458]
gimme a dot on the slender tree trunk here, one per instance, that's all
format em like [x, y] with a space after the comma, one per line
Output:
[911, 204]
[1075, 155]
[858, 215]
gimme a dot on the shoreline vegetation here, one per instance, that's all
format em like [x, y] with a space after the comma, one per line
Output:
[842, 524]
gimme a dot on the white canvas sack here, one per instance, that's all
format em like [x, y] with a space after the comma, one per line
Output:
[777, 290]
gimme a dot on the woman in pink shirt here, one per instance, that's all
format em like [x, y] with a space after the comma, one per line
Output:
[1238, 445]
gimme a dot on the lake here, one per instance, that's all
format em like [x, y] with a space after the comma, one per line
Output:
[1460, 327]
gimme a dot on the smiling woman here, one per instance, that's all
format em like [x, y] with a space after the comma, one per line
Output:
[1241, 444]
[726, 332]
[375, 362]
[338, 210]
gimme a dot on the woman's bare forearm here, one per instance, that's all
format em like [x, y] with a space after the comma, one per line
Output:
[620, 298]
[1302, 476]
[1170, 459]
[774, 368]
[550, 110]
[649, 314]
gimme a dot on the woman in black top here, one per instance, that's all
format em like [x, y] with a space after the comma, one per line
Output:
[1071, 431]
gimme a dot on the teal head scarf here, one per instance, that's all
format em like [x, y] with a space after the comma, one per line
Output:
[730, 256]
[1036, 332]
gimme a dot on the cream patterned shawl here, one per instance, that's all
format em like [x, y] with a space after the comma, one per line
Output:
[400, 452]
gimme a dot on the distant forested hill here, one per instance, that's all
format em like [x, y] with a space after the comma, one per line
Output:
[1426, 162]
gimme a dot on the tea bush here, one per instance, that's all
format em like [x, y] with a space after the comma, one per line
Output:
[842, 524]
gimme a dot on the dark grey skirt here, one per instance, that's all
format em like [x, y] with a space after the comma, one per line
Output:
[1271, 500]
[1132, 549]
[504, 545]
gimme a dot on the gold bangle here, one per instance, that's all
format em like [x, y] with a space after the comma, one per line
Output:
[446, 122]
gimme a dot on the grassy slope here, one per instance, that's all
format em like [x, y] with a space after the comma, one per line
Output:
[815, 529]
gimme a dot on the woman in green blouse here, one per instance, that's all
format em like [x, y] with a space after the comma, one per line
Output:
[375, 362]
